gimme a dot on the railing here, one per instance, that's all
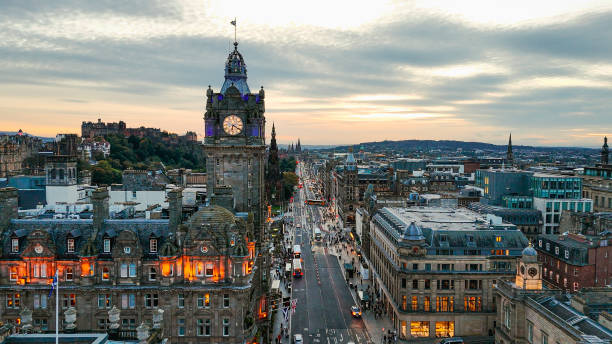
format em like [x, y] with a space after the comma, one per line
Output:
[123, 335]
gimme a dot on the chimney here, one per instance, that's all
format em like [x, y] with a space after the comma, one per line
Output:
[99, 198]
[175, 209]
[8, 207]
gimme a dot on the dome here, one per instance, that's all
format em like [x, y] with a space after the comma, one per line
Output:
[529, 253]
[235, 72]
[211, 215]
[413, 232]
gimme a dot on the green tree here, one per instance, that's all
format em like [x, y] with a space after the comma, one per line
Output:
[290, 181]
[288, 164]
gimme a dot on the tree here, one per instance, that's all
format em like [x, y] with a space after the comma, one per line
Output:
[290, 181]
[288, 164]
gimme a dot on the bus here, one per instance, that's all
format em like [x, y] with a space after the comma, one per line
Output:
[297, 251]
[317, 233]
[297, 268]
[320, 202]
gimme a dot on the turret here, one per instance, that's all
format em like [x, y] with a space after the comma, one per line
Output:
[605, 152]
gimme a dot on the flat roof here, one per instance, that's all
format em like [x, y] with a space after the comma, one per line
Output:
[440, 218]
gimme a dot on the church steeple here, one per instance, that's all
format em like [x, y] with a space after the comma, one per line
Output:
[605, 152]
[235, 72]
[509, 154]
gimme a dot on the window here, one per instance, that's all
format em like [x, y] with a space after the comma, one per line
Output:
[404, 302]
[472, 303]
[40, 301]
[105, 273]
[428, 267]
[444, 303]
[204, 300]
[427, 284]
[107, 246]
[103, 324]
[226, 331]
[199, 270]
[153, 245]
[104, 301]
[544, 338]
[151, 300]
[566, 254]
[203, 327]
[547, 246]
[209, 269]
[415, 284]
[128, 324]
[403, 283]
[13, 273]
[180, 329]
[69, 273]
[529, 332]
[507, 320]
[419, 328]
[181, 301]
[152, 274]
[36, 270]
[70, 245]
[132, 270]
[42, 324]
[540, 243]
[445, 284]
[415, 266]
[15, 245]
[415, 303]
[133, 194]
[498, 238]
[13, 300]
[68, 300]
[226, 301]
[426, 303]
[128, 301]
[124, 270]
[127, 250]
[556, 249]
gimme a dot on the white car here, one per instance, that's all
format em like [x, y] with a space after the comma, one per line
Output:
[297, 339]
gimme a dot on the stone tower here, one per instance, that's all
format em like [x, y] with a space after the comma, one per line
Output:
[234, 143]
[529, 270]
[509, 154]
[605, 152]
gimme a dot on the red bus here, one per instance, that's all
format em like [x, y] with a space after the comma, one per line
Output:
[315, 202]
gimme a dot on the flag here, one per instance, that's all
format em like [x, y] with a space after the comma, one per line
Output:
[233, 22]
[286, 312]
[53, 285]
[293, 305]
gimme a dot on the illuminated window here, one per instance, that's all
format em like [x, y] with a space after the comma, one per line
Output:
[204, 300]
[199, 269]
[69, 273]
[105, 273]
[15, 245]
[153, 245]
[419, 328]
[13, 300]
[404, 302]
[36, 270]
[104, 301]
[107, 245]
[13, 273]
[426, 304]
[68, 300]
[445, 328]
[43, 270]
[70, 245]
[498, 238]
[472, 303]
[415, 303]
[209, 269]
[444, 303]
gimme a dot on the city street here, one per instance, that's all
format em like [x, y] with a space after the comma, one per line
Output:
[324, 300]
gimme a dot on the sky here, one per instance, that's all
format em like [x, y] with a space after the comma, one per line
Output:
[335, 72]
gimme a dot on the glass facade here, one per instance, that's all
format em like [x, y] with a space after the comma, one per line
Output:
[556, 187]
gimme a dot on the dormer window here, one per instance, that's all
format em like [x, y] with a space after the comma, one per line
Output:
[107, 245]
[70, 245]
[15, 245]
[153, 245]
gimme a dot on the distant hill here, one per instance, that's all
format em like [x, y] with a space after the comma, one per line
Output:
[452, 145]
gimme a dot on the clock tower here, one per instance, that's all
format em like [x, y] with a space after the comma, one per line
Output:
[529, 270]
[234, 143]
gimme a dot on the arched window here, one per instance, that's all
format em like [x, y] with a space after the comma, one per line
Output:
[507, 315]
[61, 174]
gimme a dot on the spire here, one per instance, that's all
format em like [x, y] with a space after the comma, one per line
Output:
[235, 72]
[509, 154]
[299, 146]
[605, 152]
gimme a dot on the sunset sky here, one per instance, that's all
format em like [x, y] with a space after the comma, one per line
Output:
[334, 72]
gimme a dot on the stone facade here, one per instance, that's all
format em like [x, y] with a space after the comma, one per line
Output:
[437, 281]
[198, 272]
[14, 149]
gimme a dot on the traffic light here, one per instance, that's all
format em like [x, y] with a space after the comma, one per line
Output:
[274, 304]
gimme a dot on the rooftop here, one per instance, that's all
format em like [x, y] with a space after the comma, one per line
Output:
[438, 218]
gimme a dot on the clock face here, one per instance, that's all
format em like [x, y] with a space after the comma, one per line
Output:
[232, 125]
[532, 272]
[38, 249]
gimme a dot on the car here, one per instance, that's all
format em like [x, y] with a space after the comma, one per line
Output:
[297, 339]
[356, 311]
[453, 340]
[298, 226]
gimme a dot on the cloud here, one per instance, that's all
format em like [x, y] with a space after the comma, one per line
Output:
[402, 66]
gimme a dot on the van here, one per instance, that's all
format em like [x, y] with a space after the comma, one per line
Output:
[453, 340]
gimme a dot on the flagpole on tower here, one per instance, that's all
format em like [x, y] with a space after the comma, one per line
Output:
[233, 22]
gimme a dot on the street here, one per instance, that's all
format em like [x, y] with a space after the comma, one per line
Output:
[324, 300]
